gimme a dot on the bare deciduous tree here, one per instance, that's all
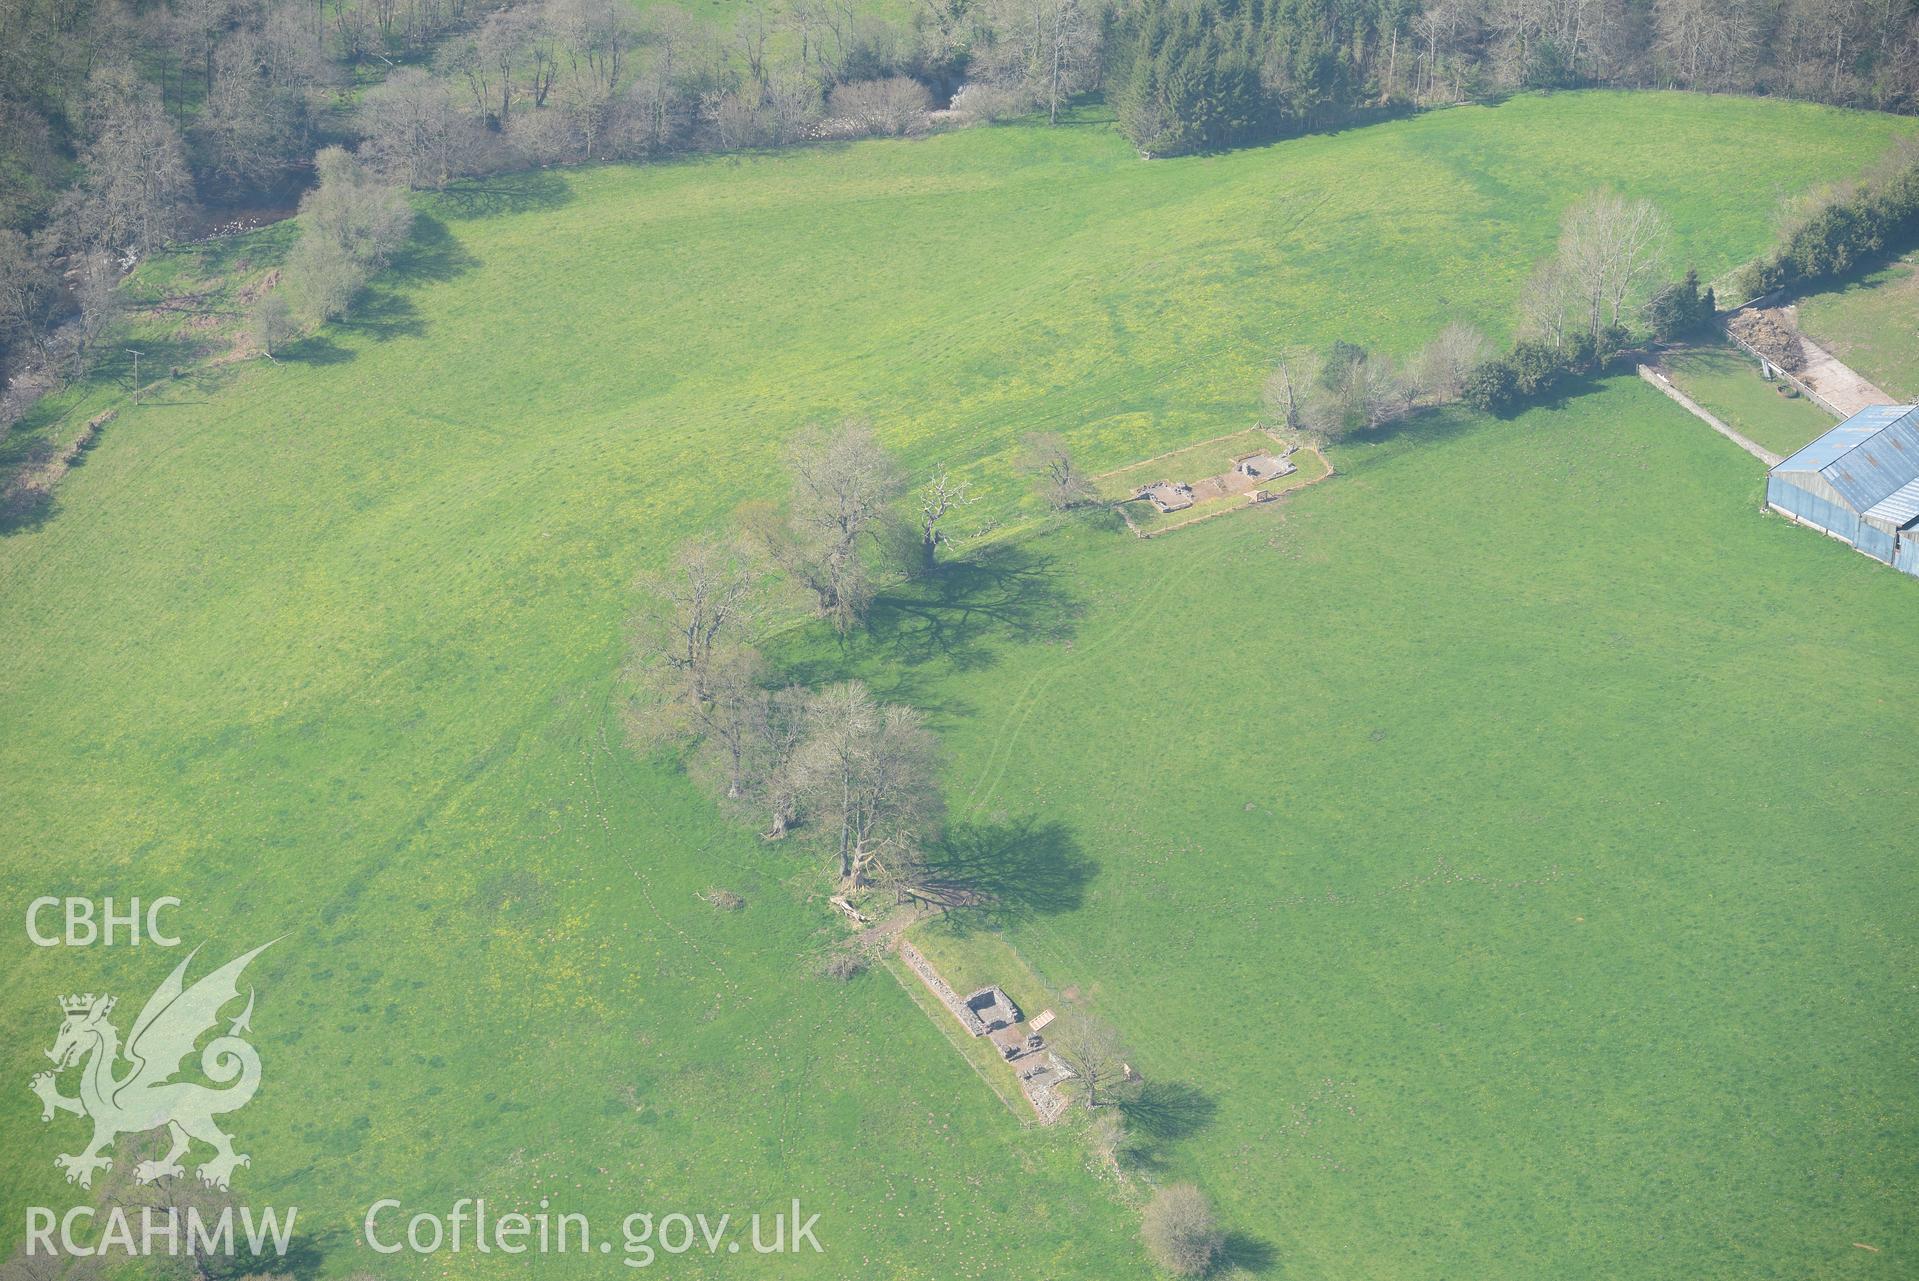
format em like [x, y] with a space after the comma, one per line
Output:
[414, 129]
[1045, 50]
[135, 195]
[1291, 386]
[1610, 250]
[1545, 301]
[1181, 1231]
[940, 497]
[29, 292]
[1449, 357]
[843, 483]
[779, 728]
[866, 772]
[892, 107]
[1045, 456]
[695, 608]
[1091, 1048]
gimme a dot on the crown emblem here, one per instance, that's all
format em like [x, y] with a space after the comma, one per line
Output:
[81, 1004]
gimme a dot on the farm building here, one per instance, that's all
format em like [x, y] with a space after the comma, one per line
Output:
[1859, 483]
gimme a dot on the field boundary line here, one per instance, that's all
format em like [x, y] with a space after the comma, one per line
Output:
[914, 989]
[1665, 384]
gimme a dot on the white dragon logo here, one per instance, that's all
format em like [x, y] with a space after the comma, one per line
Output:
[146, 1096]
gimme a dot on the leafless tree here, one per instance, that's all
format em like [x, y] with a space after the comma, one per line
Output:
[1610, 251]
[1092, 1049]
[1545, 301]
[866, 773]
[1181, 1231]
[594, 39]
[1385, 396]
[1047, 50]
[415, 133]
[1449, 357]
[699, 606]
[1290, 388]
[1707, 44]
[843, 483]
[779, 727]
[941, 496]
[891, 107]
[29, 292]
[96, 281]
[1046, 458]
[136, 191]
[249, 131]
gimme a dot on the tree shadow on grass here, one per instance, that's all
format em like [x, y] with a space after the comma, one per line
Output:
[1168, 1111]
[533, 191]
[315, 350]
[26, 508]
[986, 875]
[1244, 1253]
[958, 612]
[304, 1260]
[383, 315]
[431, 253]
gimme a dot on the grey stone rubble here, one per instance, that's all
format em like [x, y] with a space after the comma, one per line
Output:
[989, 1012]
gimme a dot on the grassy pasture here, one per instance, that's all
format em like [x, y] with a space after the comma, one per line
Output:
[328, 649]
[1872, 325]
[1727, 382]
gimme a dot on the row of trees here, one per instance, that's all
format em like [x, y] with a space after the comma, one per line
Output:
[1185, 75]
[859, 774]
[1839, 230]
[856, 772]
[1346, 388]
[1603, 289]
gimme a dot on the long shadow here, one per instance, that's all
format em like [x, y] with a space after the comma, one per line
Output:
[431, 253]
[316, 350]
[305, 1259]
[1168, 1111]
[384, 314]
[1244, 1253]
[985, 875]
[26, 509]
[529, 192]
[963, 608]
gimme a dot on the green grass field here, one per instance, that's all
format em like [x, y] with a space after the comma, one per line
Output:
[1727, 383]
[1872, 325]
[1494, 907]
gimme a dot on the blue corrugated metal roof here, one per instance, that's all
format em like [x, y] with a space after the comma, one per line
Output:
[1840, 440]
[1868, 459]
[1899, 508]
[1878, 466]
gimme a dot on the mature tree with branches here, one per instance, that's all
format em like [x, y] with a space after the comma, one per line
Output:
[1046, 458]
[866, 773]
[844, 483]
[351, 223]
[1091, 1048]
[1181, 1230]
[1449, 358]
[1610, 251]
[136, 192]
[939, 499]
